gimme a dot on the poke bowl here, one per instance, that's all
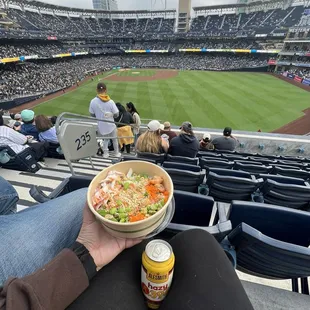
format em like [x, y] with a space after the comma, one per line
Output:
[130, 199]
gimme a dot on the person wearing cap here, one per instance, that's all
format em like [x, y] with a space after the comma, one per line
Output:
[206, 143]
[18, 118]
[186, 144]
[103, 108]
[28, 128]
[225, 143]
[167, 130]
[151, 141]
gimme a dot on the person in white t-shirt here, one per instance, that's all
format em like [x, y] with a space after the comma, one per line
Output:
[102, 107]
[18, 142]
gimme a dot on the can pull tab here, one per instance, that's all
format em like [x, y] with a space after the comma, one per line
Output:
[159, 251]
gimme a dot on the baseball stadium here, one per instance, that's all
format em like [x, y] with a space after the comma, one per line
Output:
[213, 95]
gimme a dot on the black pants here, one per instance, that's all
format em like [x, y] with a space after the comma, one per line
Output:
[39, 149]
[203, 279]
[127, 146]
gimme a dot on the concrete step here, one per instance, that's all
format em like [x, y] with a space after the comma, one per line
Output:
[269, 298]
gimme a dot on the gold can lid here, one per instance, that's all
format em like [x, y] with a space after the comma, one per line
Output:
[158, 250]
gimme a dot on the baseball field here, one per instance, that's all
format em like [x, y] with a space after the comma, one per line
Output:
[243, 101]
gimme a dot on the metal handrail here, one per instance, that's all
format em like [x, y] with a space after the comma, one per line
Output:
[61, 118]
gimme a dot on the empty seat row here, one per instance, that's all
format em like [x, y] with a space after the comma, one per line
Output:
[252, 165]
[225, 185]
[271, 241]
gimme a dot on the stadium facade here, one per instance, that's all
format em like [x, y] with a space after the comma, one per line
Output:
[107, 5]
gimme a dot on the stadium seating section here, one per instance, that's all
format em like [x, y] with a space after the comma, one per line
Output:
[229, 24]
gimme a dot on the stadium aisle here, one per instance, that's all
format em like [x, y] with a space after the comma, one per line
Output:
[49, 177]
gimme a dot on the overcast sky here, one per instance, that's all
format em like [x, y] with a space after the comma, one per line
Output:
[138, 4]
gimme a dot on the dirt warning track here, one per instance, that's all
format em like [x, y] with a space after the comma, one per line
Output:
[301, 125]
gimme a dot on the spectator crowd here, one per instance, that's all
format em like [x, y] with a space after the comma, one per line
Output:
[17, 80]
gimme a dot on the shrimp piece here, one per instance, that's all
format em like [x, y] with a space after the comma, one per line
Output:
[99, 197]
[157, 180]
[160, 187]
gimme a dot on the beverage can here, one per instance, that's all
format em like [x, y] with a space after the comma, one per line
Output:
[156, 272]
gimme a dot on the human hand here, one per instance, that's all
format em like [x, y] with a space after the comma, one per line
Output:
[101, 245]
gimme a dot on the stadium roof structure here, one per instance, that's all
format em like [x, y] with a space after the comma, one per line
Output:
[252, 6]
[58, 8]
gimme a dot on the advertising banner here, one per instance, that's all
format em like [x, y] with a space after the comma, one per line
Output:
[190, 50]
[135, 51]
[306, 82]
[6, 60]
[62, 55]
[298, 79]
[283, 63]
[272, 62]
[80, 53]
[228, 50]
[243, 51]
[279, 34]
[266, 51]
[290, 76]
[30, 57]
[157, 51]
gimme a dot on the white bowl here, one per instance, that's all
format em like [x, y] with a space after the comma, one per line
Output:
[136, 229]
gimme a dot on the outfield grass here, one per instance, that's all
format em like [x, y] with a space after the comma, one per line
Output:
[244, 101]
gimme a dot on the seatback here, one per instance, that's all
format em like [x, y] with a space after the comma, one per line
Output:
[288, 195]
[262, 256]
[230, 173]
[158, 158]
[248, 162]
[265, 161]
[284, 224]
[24, 161]
[187, 181]
[254, 169]
[285, 166]
[296, 173]
[184, 160]
[192, 209]
[233, 157]
[292, 163]
[282, 179]
[208, 154]
[214, 158]
[207, 163]
[181, 166]
[127, 158]
[227, 188]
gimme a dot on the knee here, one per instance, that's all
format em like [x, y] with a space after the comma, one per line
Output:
[78, 197]
[196, 236]
[6, 187]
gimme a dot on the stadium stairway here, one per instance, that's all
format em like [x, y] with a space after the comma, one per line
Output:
[263, 293]
[49, 177]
